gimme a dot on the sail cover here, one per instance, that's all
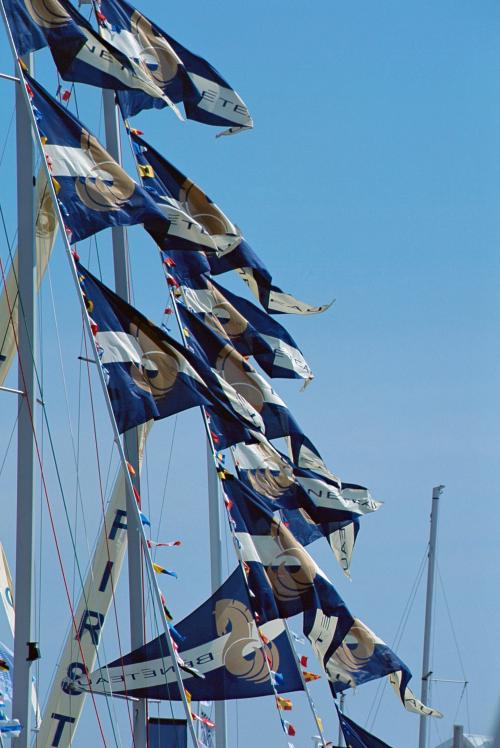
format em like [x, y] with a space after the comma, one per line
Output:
[220, 639]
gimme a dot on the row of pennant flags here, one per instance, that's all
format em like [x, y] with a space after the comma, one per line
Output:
[278, 502]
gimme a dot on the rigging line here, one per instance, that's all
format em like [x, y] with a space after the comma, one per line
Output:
[49, 508]
[462, 694]
[450, 620]
[103, 509]
[457, 646]
[9, 127]
[382, 684]
[53, 451]
[167, 475]
[70, 529]
[9, 443]
[75, 448]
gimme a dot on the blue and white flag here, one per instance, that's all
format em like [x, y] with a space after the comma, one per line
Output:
[248, 328]
[182, 75]
[273, 416]
[185, 231]
[221, 641]
[281, 574]
[313, 505]
[272, 474]
[79, 53]
[93, 191]
[235, 253]
[361, 657]
[149, 374]
[355, 736]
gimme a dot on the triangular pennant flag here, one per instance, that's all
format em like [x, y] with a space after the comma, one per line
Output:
[149, 374]
[79, 53]
[94, 191]
[182, 75]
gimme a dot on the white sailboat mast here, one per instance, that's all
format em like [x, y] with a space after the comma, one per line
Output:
[24, 631]
[431, 564]
[130, 439]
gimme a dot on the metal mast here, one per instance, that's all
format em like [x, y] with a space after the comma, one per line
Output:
[21, 704]
[122, 287]
[215, 572]
[426, 673]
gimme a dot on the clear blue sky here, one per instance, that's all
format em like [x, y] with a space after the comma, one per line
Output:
[372, 176]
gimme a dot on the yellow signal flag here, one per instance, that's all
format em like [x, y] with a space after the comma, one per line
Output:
[145, 170]
[284, 704]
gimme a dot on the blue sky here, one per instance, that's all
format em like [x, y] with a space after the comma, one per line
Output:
[373, 177]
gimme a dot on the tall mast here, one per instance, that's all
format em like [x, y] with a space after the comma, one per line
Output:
[426, 673]
[216, 572]
[21, 704]
[130, 439]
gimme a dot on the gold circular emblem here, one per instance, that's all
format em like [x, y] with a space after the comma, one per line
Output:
[232, 367]
[106, 186]
[197, 204]
[158, 58]
[158, 370]
[47, 13]
[244, 654]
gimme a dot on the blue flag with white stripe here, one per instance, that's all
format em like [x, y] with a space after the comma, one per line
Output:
[249, 329]
[312, 505]
[221, 641]
[149, 374]
[273, 416]
[281, 574]
[185, 77]
[235, 252]
[355, 736]
[361, 656]
[79, 53]
[93, 190]
[186, 231]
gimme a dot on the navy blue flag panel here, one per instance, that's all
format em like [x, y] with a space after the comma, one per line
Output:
[221, 641]
[272, 474]
[182, 75]
[356, 737]
[235, 253]
[186, 231]
[79, 53]
[93, 190]
[361, 657]
[283, 577]
[197, 220]
[248, 328]
[270, 412]
[149, 374]
[311, 509]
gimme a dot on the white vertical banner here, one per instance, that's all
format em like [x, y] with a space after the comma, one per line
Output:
[7, 597]
[46, 232]
[65, 704]
[7, 590]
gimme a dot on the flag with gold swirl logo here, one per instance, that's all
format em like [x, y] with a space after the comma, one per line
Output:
[221, 640]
